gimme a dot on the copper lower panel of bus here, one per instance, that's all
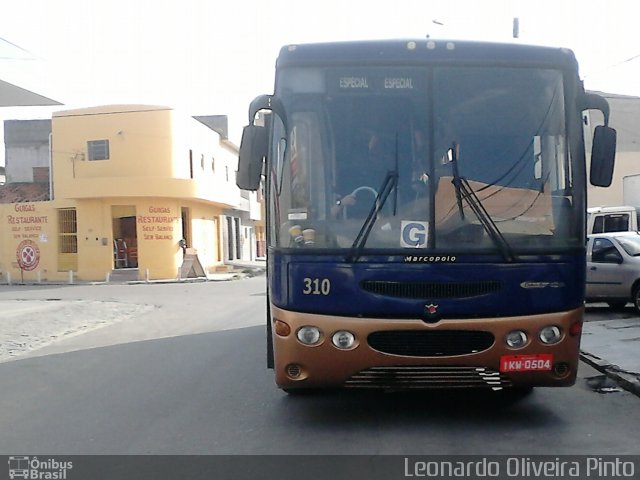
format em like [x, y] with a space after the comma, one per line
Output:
[423, 366]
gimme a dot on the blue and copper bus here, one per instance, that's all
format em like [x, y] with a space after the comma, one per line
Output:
[425, 209]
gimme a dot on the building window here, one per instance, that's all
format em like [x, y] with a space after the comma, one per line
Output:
[98, 149]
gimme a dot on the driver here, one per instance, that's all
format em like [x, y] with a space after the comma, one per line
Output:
[366, 168]
[362, 176]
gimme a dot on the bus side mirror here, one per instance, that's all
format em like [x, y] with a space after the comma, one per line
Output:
[603, 152]
[253, 150]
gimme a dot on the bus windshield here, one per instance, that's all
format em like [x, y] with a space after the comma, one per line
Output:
[396, 144]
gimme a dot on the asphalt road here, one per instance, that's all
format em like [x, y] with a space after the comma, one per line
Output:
[188, 377]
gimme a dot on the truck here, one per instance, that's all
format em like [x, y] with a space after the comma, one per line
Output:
[631, 190]
[623, 218]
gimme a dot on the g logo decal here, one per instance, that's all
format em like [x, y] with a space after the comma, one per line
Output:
[413, 234]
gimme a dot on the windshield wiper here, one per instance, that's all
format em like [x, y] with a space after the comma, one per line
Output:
[465, 192]
[389, 184]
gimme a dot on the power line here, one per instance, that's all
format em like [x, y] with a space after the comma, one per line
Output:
[31, 55]
[630, 59]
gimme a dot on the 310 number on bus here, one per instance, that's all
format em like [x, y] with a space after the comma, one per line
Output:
[316, 286]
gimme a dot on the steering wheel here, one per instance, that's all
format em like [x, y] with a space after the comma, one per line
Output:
[364, 187]
[356, 191]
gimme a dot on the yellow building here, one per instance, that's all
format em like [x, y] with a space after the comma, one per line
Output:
[135, 187]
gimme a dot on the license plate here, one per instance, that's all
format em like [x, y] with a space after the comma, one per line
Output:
[526, 363]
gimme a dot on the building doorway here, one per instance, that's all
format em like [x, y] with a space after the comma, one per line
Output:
[125, 237]
[185, 216]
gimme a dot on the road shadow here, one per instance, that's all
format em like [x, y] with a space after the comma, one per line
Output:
[441, 406]
[602, 311]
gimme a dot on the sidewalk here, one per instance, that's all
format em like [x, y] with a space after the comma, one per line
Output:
[237, 269]
[613, 348]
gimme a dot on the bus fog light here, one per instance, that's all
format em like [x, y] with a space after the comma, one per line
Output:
[343, 339]
[562, 369]
[550, 334]
[309, 335]
[516, 339]
[294, 370]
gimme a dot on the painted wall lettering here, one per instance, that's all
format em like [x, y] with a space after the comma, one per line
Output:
[26, 223]
[158, 224]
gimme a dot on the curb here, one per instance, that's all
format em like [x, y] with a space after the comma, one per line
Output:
[627, 380]
[219, 277]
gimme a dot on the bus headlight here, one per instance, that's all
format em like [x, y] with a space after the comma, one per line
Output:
[343, 340]
[550, 335]
[309, 335]
[516, 339]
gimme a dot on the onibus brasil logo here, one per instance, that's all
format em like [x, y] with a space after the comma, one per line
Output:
[37, 469]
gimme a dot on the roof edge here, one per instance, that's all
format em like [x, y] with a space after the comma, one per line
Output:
[110, 109]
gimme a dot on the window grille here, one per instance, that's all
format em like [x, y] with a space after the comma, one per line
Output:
[67, 240]
[98, 149]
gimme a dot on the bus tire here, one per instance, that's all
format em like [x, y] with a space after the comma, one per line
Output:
[516, 393]
[298, 391]
[617, 304]
[270, 361]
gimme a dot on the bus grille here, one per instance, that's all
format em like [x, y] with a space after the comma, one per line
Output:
[430, 290]
[422, 343]
[415, 377]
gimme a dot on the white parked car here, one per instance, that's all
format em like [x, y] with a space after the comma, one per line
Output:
[613, 269]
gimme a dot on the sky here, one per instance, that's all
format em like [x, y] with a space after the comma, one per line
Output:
[212, 57]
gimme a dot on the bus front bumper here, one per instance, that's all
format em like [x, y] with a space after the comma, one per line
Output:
[409, 353]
